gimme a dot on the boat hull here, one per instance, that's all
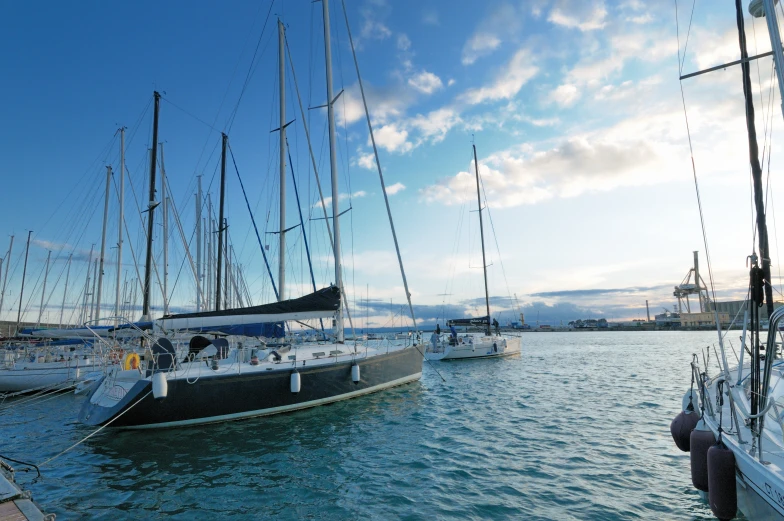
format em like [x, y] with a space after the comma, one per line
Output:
[235, 396]
[474, 351]
[42, 375]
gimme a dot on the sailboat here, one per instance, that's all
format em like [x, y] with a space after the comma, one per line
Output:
[486, 344]
[231, 378]
[732, 422]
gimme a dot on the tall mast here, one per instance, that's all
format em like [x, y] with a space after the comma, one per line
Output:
[165, 210]
[220, 223]
[95, 280]
[21, 291]
[482, 235]
[103, 243]
[209, 230]
[769, 12]
[84, 315]
[226, 271]
[756, 168]
[120, 223]
[65, 291]
[5, 277]
[151, 209]
[198, 244]
[333, 165]
[282, 238]
[43, 289]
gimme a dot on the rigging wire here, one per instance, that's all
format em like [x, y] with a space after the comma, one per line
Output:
[693, 165]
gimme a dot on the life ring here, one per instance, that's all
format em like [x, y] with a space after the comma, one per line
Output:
[131, 361]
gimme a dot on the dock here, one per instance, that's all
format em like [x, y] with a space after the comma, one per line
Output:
[17, 504]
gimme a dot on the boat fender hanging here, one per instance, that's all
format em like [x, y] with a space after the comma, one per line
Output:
[722, 494]
[495, 347]
[296, 382]
[691, 397]
[681, 427]
[160, 388]
[355, 373]
[701, 440]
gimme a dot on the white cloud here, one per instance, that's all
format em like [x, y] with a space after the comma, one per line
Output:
[508, 83]
[436, 124]
[385, 104]
[367, 161]
[565, 95]
[430, 17]
[579, 16]
[393, 139]
[627, 89]
[450, 82]
[576, 166]
[395, 188]
[341, 197]
[503, 24]
[641, 19]
[480, 44]
[426, 82]
[403, 42]
[372, 26]
[643, 149]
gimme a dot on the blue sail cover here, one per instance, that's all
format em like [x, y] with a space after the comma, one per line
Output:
[474, 321]
[265, 329]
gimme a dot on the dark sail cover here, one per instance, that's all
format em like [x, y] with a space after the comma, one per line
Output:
[327, 299]
[475, 321]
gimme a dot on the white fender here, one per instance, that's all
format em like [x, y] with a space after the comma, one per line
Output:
[355, 373]
[296, 382]
[160, 388]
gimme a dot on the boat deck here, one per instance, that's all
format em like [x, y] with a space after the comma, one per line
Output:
[16, 504]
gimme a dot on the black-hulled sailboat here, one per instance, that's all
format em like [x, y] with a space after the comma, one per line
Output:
[223, 380]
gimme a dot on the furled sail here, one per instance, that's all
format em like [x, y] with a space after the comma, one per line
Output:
[321, 304]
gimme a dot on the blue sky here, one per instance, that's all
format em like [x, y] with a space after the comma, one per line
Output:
[574, 107]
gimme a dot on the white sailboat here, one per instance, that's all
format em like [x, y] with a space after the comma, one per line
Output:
[732, 421]
[487, 344]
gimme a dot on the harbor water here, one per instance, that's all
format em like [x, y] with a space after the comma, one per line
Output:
[575, 428]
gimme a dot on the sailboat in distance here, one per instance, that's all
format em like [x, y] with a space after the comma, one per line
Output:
[221, 382]
[469, 345]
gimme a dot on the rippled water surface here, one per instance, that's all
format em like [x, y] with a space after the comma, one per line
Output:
[577, 427]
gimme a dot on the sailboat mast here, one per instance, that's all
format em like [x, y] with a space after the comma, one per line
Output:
[220, 224]
[92, 295]
[120, 223]
[282, 238]
[151, 209]
[165, 211]
[43, 289]
[333, 164]
[482, 235]
[209, 231]
[65, 291]
[5, 277]
[775, 36]
[756, 168]
[84, 315]
[103, 243]
[21, 291]
[198, 244]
